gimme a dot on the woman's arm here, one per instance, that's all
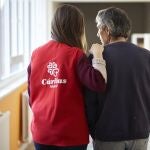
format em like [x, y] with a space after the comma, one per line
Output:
[89, 76]
[29, 72]
[93, 77]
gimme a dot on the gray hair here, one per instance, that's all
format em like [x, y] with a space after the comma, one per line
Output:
[116, 20]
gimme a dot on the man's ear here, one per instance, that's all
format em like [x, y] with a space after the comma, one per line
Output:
[107, 30]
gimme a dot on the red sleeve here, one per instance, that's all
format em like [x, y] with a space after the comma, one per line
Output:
[89, 76]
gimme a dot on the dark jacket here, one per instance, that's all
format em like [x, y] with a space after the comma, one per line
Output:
[123, 111]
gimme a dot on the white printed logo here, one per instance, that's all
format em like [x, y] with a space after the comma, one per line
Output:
[52, 69]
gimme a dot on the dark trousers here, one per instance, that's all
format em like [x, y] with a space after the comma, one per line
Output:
[49, 147]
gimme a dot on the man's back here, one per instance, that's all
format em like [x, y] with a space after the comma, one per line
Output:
[123, 112]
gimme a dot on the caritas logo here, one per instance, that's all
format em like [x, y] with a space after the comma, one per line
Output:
[53, 70]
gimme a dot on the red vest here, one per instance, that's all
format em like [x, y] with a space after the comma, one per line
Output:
[56, 96]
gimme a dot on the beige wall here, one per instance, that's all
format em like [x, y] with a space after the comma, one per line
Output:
[12, 102]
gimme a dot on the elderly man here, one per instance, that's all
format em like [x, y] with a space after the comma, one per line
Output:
[120, 118]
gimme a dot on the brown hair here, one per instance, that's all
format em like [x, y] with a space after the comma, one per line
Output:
[68, 26]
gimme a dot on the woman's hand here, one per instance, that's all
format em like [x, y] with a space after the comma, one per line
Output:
[97, 50]
[98, 62]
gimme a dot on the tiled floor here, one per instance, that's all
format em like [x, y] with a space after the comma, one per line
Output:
[90, 146]
[148, 145]
[30, 147]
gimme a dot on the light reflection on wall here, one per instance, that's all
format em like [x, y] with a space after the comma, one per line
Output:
[2, 3]
[141, 39]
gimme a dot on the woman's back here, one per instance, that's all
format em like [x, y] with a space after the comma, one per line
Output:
[56, 99]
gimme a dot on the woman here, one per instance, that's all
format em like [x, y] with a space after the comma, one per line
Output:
[56, 75]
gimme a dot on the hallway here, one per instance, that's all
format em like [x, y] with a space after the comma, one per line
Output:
[24, 26]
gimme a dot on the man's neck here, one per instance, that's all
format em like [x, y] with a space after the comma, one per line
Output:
[119, 39]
